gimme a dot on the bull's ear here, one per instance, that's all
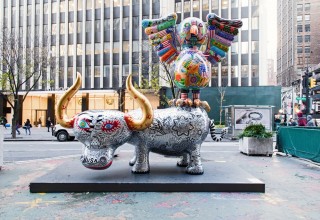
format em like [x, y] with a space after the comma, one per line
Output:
[62, 105]
[147, 112]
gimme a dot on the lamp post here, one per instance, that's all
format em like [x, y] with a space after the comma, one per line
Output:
[307, 90]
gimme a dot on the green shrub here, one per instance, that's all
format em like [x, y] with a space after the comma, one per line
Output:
[255, 130]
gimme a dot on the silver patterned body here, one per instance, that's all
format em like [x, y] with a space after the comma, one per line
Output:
[176, 131]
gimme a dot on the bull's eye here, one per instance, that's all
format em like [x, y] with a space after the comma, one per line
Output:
[109, 126]
[83, 124]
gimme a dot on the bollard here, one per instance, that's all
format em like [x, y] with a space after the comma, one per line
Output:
[1, 146]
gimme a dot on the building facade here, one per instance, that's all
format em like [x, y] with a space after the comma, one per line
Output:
[298, 39]
[104, 41]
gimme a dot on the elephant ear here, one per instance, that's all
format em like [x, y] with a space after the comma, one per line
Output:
[220, 33]
[161, 33]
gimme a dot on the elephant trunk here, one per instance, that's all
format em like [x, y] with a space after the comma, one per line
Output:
[61, 116]
[147, 112]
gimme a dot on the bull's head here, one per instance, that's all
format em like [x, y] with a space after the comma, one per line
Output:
[102, 131]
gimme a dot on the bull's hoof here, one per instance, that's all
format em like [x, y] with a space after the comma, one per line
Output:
[140, 171]
[194, 170]
[132, 161]
[140, 168]
[182, 164]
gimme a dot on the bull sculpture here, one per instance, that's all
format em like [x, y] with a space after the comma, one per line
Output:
[175, 131]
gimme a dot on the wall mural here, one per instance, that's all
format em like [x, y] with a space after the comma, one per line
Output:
[176, 131]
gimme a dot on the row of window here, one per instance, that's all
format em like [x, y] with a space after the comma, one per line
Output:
[306, 17]
[306, 7]
[187, 7]
[307, 38]
[306, 49]
[72, 7]
[306, 28]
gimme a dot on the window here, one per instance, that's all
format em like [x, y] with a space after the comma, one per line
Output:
[245, 24]
[70, 50]
[244, 47]
[97, 26]
[88, 49]
[106, 71]
[98, 4]
[299, 49]
[307, 17]
[307, 49]
[299, 39]
[254, 2]
[88, 26]
[307, 38]
[299, 28]
[71, 6]
[62, 28]
[116, 3]
[125, 24]
[255, 23]
[106, 47]
[89, 5]
[178, 7]
[62, 6]
[244, 3]
[205, 5]
[116, 24]
[234, 71]
[116, 46]
[307, 6]
[54, 29]
[234, 3]
[80, 6]
[224, 4]
[307, 28]
[79, 49]
[186, 6]
[255, 46]
[234, 48]
[45, 8]
[71, 28]
[126, 2]
[125, 46]
[214, 4]
[62, 50]
[196, 5]
[55, 7]
[97, 48]
[106, 3]
[299, 18]
[79, 27]
[37, 9]
[299, 7]
[97, 71]
[244, 71]
[106, 24]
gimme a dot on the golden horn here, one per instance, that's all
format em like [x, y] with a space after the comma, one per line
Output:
[61, 116]
[147, 112]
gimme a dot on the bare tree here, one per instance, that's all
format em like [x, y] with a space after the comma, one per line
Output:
[222, 91]
[21, 69]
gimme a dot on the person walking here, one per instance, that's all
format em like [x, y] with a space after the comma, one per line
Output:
[27, 126]
[49, 124]
[310, 122]
[17, 128]
[301, 120]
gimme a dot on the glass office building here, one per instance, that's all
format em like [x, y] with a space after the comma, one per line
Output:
[104, 41]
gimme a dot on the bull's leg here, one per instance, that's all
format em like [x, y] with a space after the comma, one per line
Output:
[195, 166]
[184, 160]
[134, 158]
[142, 160]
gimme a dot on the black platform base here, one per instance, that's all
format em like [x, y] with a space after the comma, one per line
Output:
[164, 176]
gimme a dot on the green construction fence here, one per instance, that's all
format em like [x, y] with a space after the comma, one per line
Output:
[303, 142]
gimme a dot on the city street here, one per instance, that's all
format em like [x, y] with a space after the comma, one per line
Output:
[292, 188]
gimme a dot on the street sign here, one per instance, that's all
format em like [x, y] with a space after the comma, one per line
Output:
[301, 98]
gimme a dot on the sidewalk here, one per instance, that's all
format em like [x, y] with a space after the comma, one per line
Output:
[37, 134]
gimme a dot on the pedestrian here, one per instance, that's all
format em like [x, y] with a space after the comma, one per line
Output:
[49, 124]
[292, 122]
[4, 122]
[17, 128]
[302, 121]
[27, 126]
[310, 122]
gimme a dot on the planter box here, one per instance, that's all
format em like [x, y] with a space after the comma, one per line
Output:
[256, 146]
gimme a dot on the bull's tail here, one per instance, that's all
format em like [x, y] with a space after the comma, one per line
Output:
[214, 136]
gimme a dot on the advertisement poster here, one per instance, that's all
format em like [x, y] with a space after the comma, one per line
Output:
[246, 116]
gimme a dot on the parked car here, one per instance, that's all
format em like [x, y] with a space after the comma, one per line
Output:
[63, 134]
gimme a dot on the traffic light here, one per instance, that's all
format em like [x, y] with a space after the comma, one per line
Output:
[312, 82]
